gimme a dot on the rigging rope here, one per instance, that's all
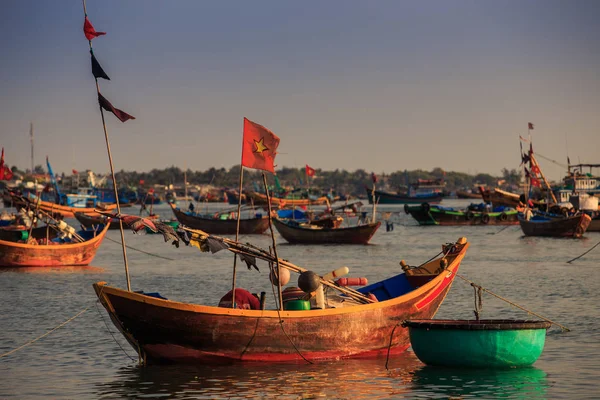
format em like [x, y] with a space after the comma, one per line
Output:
[578, 257]
[45, 334]
[109, 331]
[481, 288]
[141, 251]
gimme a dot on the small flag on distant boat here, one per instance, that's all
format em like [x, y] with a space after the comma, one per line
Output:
[97, 70]
[373, 177]
[530, 125]
[6, 173]
[310, 171]
[122, 115]
[259, 147]
[89, 31]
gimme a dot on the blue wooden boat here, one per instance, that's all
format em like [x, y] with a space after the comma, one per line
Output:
[396, 198]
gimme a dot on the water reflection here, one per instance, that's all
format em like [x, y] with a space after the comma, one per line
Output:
[515, 383]
[341, 380]
[67, 269]
[350, 379]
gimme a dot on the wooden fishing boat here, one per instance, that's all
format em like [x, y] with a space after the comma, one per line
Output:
[397, 198]
[22, 233]
[307, 233]
[217, 225]
[57, 209]
[261, 199]
[89, 221]
[162, 330]
[477, 343]
[498, 197]
[14, 254]
[426, 214]
[539, 224]
[462, 194]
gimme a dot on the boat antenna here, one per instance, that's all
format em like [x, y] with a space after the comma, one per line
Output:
[237, 227]
[112, 170]
[277, 265]
[31, 138]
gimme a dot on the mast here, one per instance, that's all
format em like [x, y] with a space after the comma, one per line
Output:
[112, 171]
[31, 138]
[185, 183]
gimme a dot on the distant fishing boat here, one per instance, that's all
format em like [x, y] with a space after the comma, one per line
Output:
[543, 224]
[90, 221]
[220, 223]
[463, 194]
[397, 198]
[261, 199]
[54, 209]
[53, 252]
[306, 233]
[426, 214]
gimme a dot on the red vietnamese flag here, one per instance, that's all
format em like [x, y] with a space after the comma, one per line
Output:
[530, 125]
[5, 173]
[89, 31]
[310, 171]
[535, 182]
[259, 147]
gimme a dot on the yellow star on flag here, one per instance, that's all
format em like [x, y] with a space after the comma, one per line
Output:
[260, 146]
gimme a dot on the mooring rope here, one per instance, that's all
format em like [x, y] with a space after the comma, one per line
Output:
[281, 321]
[478, 300]
[578, 257]
[141, 251]
[109, 331]
[481, 288]
[45, 334]
[501, 230]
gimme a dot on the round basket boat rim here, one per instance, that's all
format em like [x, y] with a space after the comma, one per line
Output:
[476, 325]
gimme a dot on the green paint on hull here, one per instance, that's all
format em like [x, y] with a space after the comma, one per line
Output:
[478, 348]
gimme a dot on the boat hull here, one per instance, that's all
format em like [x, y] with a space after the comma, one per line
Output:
[261, 199]
[222, 226]
[392, 198]
[361, 234]
[168, 331]
[90, 221]
[57, 255]
[574, 226]
[65, 211]
[478, 344]
[426, 215]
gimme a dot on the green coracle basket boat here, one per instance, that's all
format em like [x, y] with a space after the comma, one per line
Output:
[477, 343]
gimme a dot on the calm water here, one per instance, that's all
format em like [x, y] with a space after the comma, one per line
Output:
[88, 358]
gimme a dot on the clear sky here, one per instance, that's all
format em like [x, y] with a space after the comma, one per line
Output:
[379, 85]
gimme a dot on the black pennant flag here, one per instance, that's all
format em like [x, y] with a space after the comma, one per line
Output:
[122, 115]
[97, 70]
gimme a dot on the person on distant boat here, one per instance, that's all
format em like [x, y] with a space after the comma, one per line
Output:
[191, 207]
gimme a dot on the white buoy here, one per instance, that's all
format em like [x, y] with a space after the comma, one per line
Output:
[284, 276]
